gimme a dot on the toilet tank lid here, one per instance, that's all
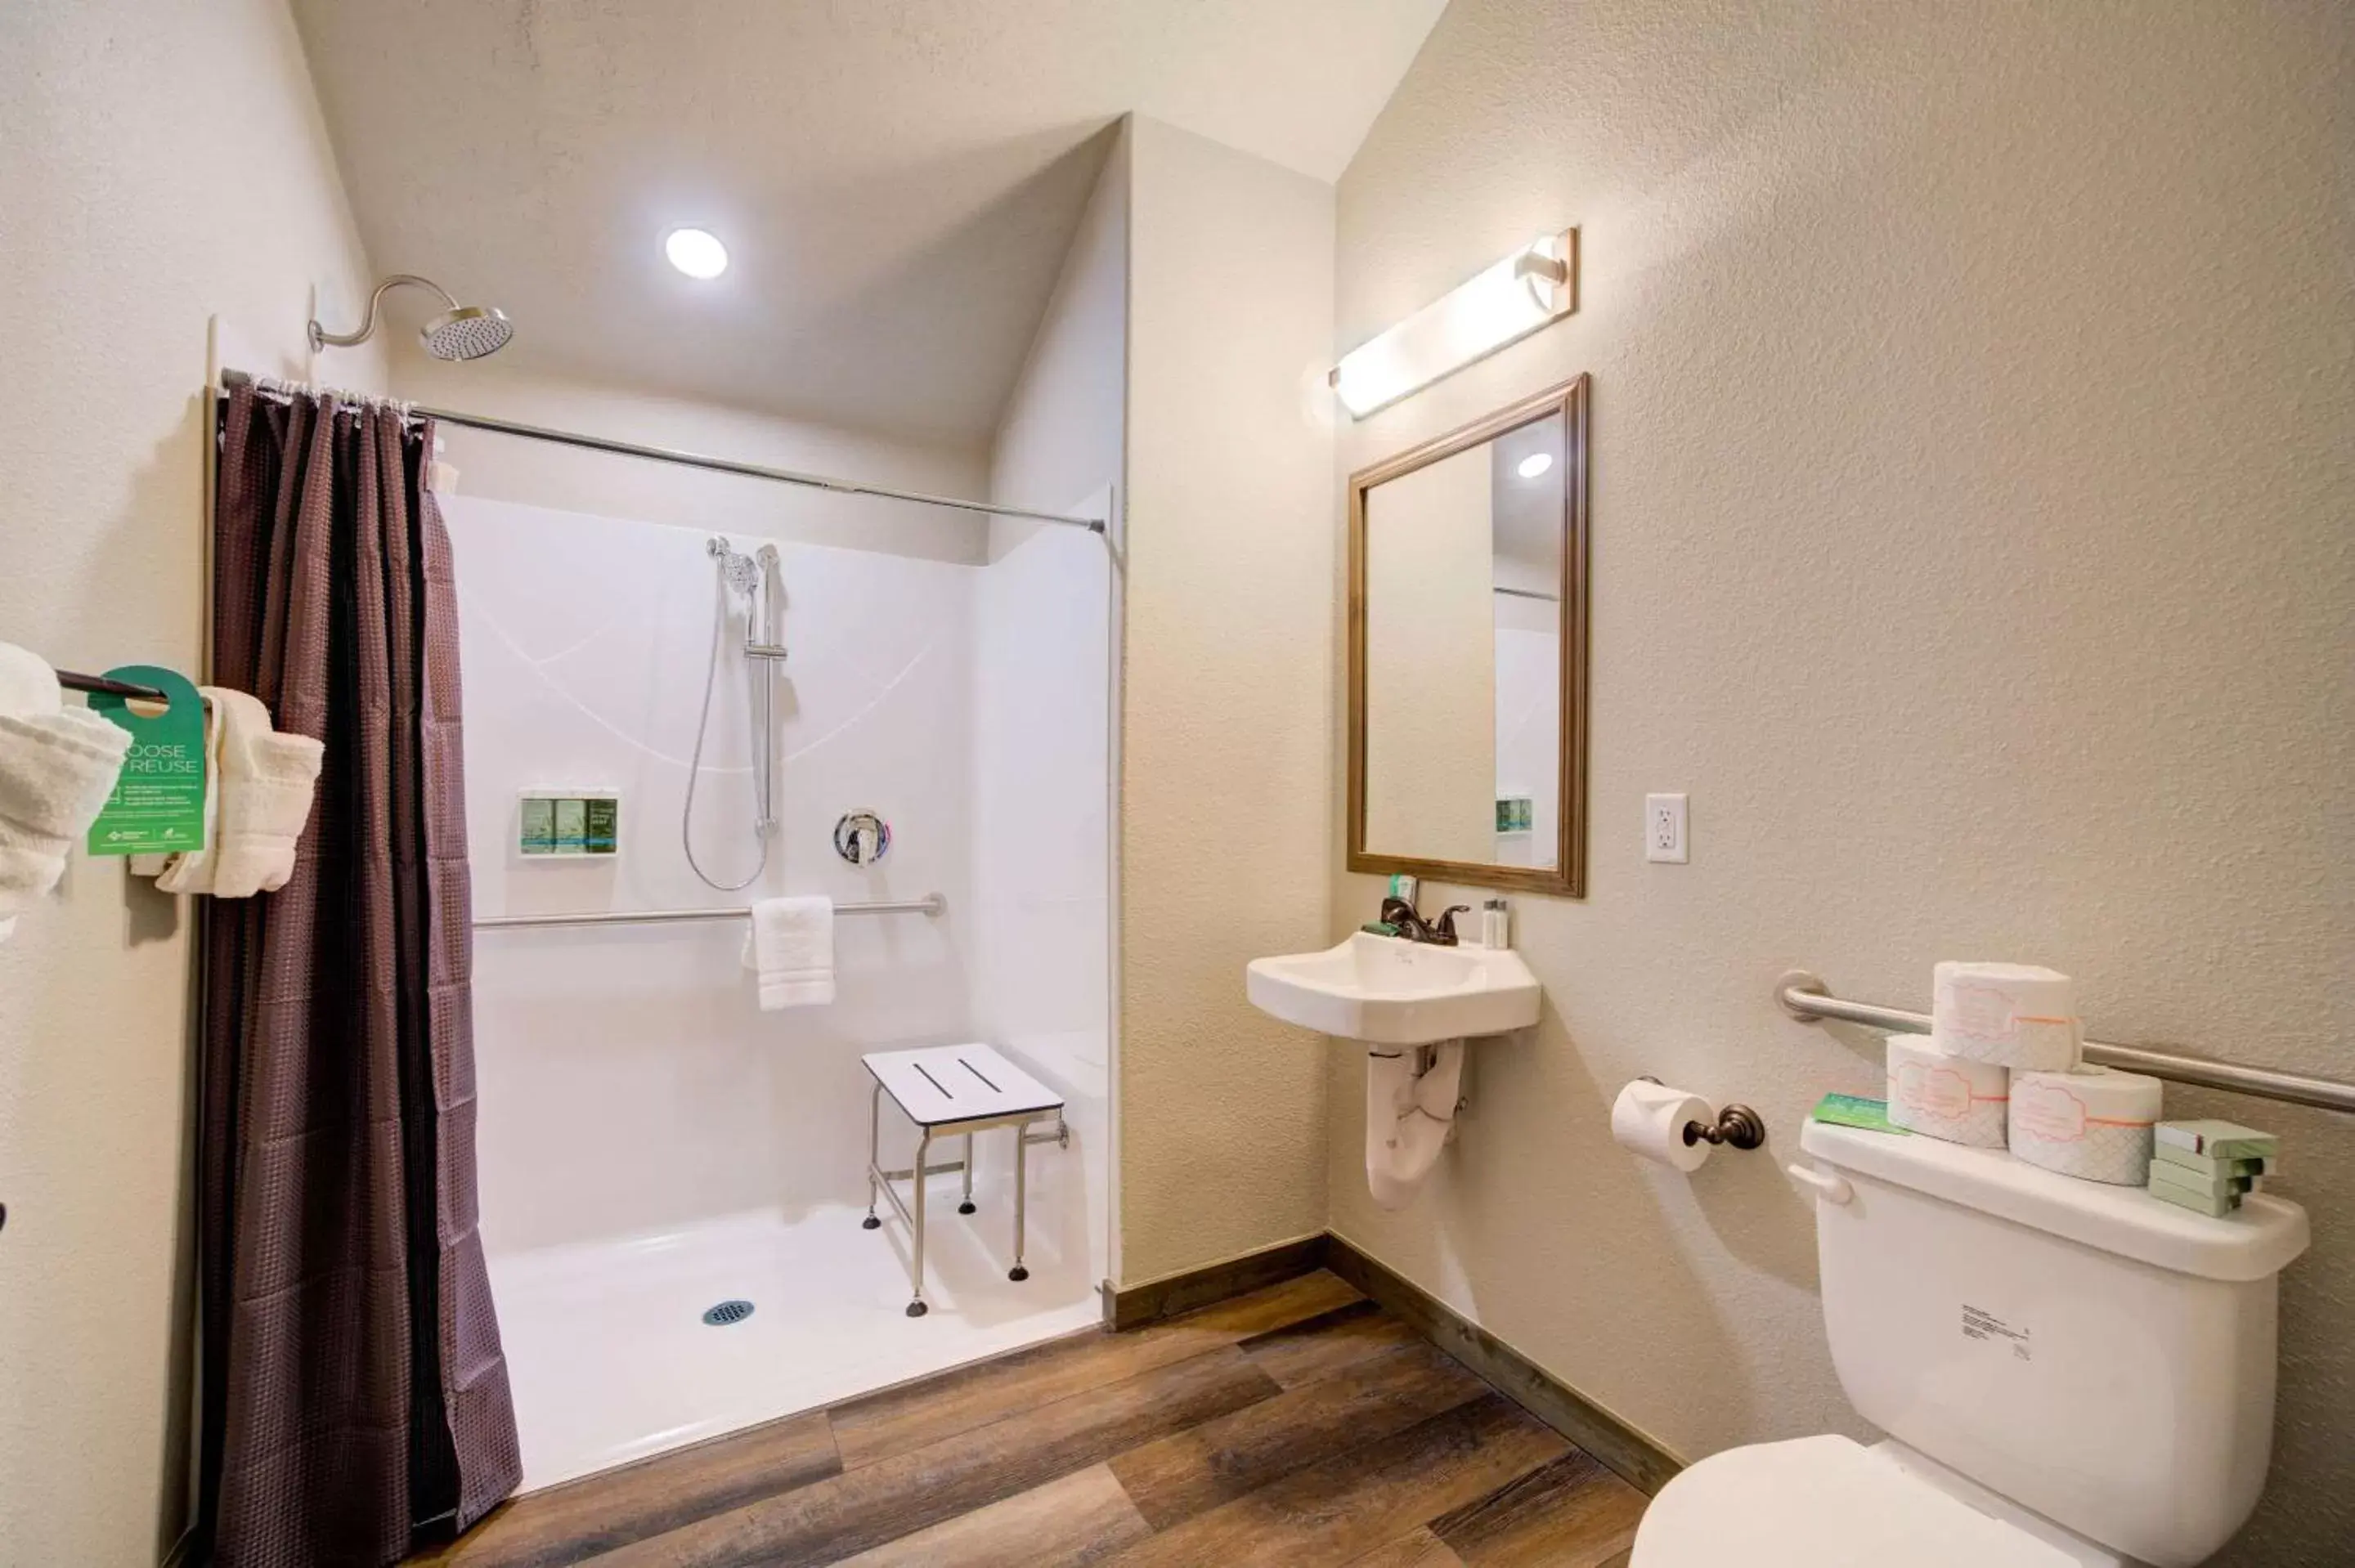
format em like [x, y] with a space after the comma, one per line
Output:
[2259, 1238]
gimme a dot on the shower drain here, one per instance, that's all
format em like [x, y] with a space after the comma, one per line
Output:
[727, 1312]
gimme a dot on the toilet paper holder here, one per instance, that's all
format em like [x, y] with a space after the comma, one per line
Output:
[1738, 1127]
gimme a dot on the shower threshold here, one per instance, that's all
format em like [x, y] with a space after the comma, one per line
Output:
[610, 1357]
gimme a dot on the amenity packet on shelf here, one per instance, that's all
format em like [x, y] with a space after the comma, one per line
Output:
[2205, 1165]
[1854, 1110]
[2214, 1184]
[2217, 1139]
[2215, 1206]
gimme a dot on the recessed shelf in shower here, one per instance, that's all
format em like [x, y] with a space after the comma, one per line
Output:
[569, 823]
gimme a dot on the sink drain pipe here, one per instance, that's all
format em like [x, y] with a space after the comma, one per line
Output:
[1411, 1098]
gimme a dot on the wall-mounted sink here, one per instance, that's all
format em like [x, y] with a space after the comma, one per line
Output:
[1412, 1003]
[1386, 990]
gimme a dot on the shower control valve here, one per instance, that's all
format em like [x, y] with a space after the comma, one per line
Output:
[861, 837]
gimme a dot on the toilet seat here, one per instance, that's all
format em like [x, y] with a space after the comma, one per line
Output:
[1826, 1502]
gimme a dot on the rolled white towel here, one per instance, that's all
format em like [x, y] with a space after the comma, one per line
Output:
[56, 771]
[791, 948]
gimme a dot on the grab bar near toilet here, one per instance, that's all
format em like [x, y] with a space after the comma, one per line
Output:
[1807, 998]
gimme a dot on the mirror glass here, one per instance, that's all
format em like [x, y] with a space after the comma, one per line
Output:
[1461, 573]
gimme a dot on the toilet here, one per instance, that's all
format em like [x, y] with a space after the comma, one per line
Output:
[2070, 1374]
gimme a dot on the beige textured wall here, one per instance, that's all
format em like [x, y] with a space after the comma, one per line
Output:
[1227, 701]
[158, 165]
[1972, 539]
[1060, 437]
[1431, 662]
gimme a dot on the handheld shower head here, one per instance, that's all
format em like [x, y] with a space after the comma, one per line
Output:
[740, 572]
[460, 332]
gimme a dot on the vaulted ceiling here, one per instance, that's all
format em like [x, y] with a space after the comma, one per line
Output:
[896, 180]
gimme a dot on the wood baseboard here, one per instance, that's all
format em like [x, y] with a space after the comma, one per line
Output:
[1172, 1294]
[1634, 1455]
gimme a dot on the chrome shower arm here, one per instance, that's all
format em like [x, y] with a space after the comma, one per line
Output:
[322, 338]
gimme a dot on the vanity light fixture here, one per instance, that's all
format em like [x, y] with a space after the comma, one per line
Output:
[1532, 287]
[1534, 464]
[696, 252]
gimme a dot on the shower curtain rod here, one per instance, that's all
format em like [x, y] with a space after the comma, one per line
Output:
[232, 378]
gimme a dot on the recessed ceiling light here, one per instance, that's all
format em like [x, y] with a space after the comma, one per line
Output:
[696, 252]
[1535, 464]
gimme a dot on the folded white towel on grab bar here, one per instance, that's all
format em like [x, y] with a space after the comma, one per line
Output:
[790, 949]
[259, 786]
[58, 766]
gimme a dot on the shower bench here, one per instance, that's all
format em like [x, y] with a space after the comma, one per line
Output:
[951, 1091]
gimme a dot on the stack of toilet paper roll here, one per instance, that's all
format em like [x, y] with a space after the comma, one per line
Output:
[2000, 1069]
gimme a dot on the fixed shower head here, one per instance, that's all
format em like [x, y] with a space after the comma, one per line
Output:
[460, 332]
[469, 332]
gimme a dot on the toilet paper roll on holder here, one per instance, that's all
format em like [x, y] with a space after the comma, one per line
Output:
[1738, 1127]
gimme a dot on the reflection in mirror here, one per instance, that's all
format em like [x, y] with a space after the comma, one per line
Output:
[1461, 643]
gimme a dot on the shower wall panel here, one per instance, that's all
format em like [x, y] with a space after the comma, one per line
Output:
[630, 1085]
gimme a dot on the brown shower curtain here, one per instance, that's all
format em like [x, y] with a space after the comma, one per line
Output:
[355, 1391]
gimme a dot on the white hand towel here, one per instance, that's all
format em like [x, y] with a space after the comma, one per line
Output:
[267, 782]
[29, 687]
[56, 770]
[192, 871]
[791, 948]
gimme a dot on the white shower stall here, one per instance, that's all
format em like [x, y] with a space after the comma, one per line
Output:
[652, 1145]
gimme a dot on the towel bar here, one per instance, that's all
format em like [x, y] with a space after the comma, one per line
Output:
[931, 906]
[73, 682]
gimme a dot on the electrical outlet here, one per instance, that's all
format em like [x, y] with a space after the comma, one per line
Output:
[1663, 830]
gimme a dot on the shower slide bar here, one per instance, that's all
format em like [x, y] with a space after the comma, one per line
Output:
[931, 906]
[232, 378]
[1806, 997]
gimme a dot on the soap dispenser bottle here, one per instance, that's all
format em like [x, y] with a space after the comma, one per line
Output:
[1496, 925]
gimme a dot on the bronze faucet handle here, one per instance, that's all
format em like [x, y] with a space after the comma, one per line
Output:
[1443, 928]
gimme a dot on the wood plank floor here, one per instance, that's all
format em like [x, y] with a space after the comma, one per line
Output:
[1298, 1425]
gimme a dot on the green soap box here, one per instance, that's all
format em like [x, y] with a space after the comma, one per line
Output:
[1854, 1110]
[2221, 1183]
[2217, 1139]
[2200, 1167]
[2215, 1206]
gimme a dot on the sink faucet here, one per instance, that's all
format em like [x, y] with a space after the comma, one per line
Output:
[1412, 926]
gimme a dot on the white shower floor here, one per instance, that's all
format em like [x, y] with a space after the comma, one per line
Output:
[610, 1361]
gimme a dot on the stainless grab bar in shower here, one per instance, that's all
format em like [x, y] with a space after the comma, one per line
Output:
[932, 904]
[1806, 997]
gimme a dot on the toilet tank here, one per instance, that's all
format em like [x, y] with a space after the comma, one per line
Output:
[2088, 1351]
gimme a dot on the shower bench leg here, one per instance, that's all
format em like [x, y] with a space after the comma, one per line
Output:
[1022, 1195]
[916, 1309]
[874, 1154]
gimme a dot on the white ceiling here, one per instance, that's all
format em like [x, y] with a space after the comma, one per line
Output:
[896, 180]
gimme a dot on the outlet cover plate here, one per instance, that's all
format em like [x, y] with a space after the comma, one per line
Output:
[1665, 838]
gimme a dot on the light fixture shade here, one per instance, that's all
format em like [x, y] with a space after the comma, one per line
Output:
[1533, 286]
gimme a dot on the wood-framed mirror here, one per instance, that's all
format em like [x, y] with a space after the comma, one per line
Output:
[1468, 652]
